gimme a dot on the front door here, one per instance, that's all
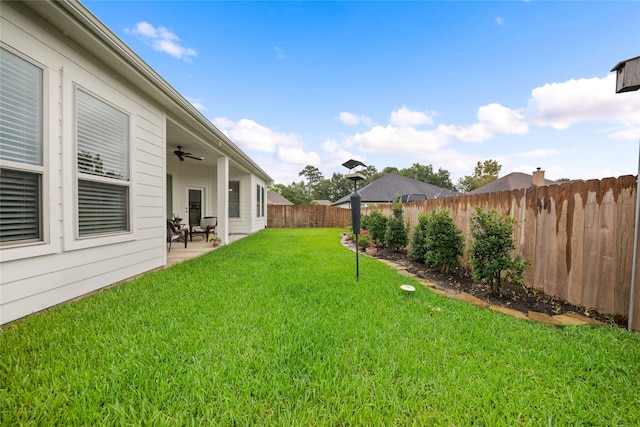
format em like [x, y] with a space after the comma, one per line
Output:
[196, 205]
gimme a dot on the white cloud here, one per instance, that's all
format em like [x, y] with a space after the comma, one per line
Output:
[631, 133]
[197, 104]
[476, 132]
[405, 117]
[562, 105]
[252, 136]
[353, 119]
[500, 119]
[493, 119]
[162, 40]
[297, 156]
[534, 154]
[391, 139]
[336, 155]
[401, 136]
[499, 20]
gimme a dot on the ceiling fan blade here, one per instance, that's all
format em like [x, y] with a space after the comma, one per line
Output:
[181, 154]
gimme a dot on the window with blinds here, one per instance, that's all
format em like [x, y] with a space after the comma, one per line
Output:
[20, 208]
[259, 201]
[20, 149]
[102, 208]
[234, 199]
[103, 166]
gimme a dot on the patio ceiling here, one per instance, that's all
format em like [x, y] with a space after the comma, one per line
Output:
[178, 136]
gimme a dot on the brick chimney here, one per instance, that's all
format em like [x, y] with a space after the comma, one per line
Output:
[538, 178]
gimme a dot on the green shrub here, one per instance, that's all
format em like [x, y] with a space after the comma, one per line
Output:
[418, 245]
[376, 223]
[395, 236]
[364, 239]
[365, 221]
[491, 251]
[443, 242]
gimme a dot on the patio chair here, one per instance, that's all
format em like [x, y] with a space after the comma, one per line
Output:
[207, 225]
[176, 234]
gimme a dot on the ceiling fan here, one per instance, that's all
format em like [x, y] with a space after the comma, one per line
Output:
[181, 154]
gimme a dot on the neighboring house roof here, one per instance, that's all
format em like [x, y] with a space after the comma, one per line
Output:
[322, 202]
[391, 185]
[512, 181]
[275, 198]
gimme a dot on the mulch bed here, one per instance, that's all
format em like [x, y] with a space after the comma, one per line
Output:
[518, 298]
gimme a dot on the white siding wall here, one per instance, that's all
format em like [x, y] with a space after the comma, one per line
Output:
[63, 267]
[258, 223]
[242, 225]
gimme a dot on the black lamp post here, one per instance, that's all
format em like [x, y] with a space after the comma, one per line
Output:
[355, 203]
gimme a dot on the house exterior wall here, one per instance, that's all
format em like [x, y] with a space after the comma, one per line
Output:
[258, 216]
[189, 174]
[248, 222]
[64, 266]
[241, 225]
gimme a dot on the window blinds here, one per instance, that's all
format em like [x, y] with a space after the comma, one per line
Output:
[20, 206]
[102, 208]
[20, 110]
[103, 138]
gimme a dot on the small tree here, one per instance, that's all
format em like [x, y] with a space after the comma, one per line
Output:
[376, 223]
[396, 236]
[418, 245]
[491, 251]
[443, 242]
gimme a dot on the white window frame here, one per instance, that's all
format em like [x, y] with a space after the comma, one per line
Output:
[259, 201]
[36, 169]
[239, 199]
[83, 176]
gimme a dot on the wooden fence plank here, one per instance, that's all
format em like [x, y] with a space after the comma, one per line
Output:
[307, 216]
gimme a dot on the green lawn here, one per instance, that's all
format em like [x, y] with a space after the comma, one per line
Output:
[274, 330]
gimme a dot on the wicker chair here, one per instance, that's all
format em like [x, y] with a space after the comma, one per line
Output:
[174, 234]
[207, 225]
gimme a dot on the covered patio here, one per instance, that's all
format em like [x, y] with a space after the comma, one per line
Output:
[195, 248]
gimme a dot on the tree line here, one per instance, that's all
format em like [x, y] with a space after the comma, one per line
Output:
[314, 186]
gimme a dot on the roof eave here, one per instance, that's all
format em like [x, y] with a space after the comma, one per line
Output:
[89, 32]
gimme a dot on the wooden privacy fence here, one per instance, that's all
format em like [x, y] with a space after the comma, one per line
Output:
[579, 236]
[307, 216]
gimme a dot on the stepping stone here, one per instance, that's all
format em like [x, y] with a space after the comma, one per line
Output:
[509, 311]
[463, 296]
[572, 318]
[568, 320]
[543, 318]
[404, 272]
[389, 263]
[427, 283]
[441, 292]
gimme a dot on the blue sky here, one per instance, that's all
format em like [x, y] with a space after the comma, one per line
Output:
[526, 83]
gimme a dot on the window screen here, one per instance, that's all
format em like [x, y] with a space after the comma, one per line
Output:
[103, 166]
[234, 199]
[20, 149]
